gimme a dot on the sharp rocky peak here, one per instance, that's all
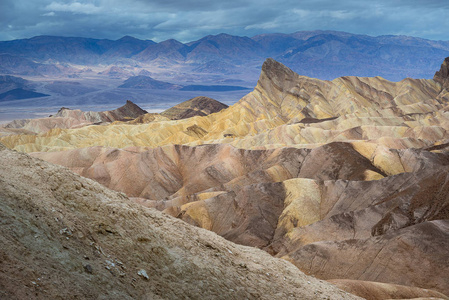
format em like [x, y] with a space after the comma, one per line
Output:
[273, 68]
[275, 73]
[442, 76]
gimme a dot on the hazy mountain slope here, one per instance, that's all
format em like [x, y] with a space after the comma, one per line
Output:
[126, 47]
[224, 46]
[19, 93]
[68, 88]
[64, 236]
[115, 72]
[73, 49]
[8, 83]
[170, 51]
[146, 82]
[360, 55]
[19, 65]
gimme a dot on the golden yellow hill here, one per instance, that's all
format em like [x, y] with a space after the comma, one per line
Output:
[284, 109]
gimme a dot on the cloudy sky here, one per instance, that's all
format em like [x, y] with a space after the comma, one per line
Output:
[187, 20]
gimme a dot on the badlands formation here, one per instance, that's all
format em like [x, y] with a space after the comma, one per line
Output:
[67, 237]
[345, 179]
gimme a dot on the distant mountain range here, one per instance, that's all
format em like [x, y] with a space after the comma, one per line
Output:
[320, 54]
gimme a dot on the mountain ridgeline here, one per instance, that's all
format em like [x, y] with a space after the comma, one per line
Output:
[320, 54]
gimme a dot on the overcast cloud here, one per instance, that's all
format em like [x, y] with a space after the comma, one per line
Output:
[185, 20]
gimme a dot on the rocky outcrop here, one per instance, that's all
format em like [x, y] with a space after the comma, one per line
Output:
[198, 106]
[442, 76]
[64, 236]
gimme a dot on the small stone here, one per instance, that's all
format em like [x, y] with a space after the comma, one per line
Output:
[88, 269]
[143, 274]
[65, 231]
[110, 263]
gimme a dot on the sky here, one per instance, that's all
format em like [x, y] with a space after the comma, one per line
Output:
[185, 20]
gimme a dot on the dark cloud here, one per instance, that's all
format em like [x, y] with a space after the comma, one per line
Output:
[190, 20]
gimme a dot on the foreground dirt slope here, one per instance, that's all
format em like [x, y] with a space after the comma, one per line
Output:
[67, 237]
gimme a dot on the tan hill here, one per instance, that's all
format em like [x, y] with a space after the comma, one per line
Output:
[64, 236]
[198, 106]
[410, 113]
[74, 118]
